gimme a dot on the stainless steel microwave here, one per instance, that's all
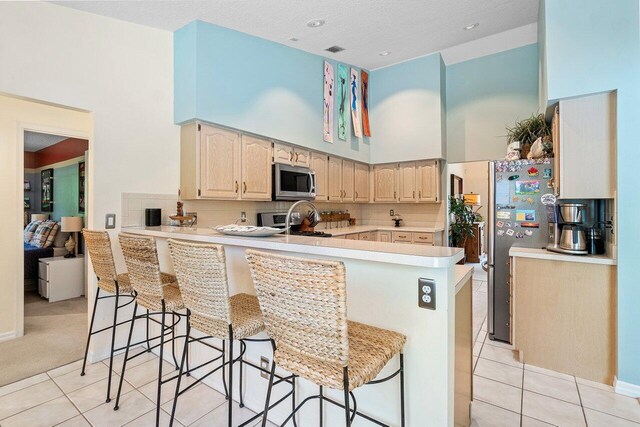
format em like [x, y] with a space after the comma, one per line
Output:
[293, 183]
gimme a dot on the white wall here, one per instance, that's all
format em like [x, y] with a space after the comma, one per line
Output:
[121, 72]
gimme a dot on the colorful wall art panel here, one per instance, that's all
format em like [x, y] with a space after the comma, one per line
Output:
[328, 102]
[364, 82]
[343, 85]
[356, 117]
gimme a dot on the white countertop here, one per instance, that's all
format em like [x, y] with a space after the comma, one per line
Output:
[364, 228]
[554, 256]
[407, 254]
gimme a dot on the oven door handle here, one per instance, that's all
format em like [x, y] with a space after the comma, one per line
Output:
[312, 182]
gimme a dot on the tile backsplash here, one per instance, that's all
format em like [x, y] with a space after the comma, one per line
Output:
[134, 204]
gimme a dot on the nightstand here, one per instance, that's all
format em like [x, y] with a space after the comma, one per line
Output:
[61, 278]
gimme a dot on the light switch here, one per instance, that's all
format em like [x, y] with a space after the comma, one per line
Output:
[110, 221]
[427, 293]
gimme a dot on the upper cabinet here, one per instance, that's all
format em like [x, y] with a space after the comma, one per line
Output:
[222, 164]
[407, 182]
[290, 155]
[584, 129]
[320, 166]
[362, 182]
[335, 179]
[256, 168]
[348, 181]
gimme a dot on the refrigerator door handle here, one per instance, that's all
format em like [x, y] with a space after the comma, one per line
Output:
[491, 244]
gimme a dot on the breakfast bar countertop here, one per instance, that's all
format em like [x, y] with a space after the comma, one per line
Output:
[413, 255]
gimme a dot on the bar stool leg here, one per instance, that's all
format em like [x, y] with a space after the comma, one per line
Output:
[242, 348]
[267, 400]
[126, 355]
[230, 376]
[402, 416]
[93, 317]
[148, 345]
[321, 407]
[182, 363]
[173, 340]
[224, 369]
[160, 362]
[347, 411]
[113, 342]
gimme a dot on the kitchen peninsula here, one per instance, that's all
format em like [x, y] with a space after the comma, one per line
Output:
[383, 291]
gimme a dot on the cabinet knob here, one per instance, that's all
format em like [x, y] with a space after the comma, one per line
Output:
[356, 194]
[244, 187]
[419, 194]
[297, 157]
[236, 186]
[394, 195]
[414, 194]
[291, 156]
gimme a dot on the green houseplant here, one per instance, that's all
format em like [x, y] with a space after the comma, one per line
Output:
[527, 131]
[461, 226]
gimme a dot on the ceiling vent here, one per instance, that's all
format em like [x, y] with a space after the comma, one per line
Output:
[335, 49]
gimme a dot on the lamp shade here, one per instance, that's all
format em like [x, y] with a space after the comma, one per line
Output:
[472, 199]
[71, 224]
[39, 217]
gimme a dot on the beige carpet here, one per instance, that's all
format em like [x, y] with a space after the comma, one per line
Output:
[54, 335]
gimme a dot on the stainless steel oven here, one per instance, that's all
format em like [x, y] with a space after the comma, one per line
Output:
[293, 183]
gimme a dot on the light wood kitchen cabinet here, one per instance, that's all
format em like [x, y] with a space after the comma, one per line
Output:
[384, 183]
[384, 236]
[290, 155]
[354, 236]
[335, 179]
[365, 236]
[428, 180]
[402, 237]
[586, 131]
[348, 181]
[564, 316]
[256, 169]
[320, 166]
[219, 163]
[407, 182]
[362, 182]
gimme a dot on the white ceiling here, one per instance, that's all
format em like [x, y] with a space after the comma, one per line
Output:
[407, 28]
[34, 141]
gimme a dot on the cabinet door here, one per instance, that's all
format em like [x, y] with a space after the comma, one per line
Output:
[428, 181]
[555, 137]
[384, 236]
[362, 183]
[384, 183]
[320, 167]
[256, 168]
[354, 236]
[348, 181]
[282, 154]
[302, 157]
[219, 163]
[407, 182]
[364, 236]
[335, 179]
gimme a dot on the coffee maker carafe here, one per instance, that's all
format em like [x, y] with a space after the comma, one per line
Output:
[566, 234]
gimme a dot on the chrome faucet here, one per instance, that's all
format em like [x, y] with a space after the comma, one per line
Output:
[314, 210]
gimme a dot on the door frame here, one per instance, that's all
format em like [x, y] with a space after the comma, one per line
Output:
[70, 133]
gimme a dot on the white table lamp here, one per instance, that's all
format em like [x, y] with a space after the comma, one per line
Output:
[71, 224]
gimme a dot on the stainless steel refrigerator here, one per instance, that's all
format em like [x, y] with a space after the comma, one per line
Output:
[517, 217]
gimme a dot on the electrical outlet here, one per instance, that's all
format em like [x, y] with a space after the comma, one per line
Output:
[391, 212]
[243, 217]
[427, 293]
[110, 221]
[264, 364]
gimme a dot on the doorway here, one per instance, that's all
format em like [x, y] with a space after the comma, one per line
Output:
[47, 297]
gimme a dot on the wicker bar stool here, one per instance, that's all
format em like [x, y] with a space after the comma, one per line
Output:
[109, 282]
[304, 304]
[158, 293]
[202, 275]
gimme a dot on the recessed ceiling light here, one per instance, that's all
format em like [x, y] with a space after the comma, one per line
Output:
[334, 49]
[385, 53]
[471, 26]
[293, 39]
[315, 23]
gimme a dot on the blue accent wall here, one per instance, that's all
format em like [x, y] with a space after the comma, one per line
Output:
[406, 110]
[233, 79]
[486, 94]
[594, 46]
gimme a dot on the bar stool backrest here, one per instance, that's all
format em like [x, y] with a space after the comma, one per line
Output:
[202, 276]
[141, 258]
[99, 247]
[304, 304]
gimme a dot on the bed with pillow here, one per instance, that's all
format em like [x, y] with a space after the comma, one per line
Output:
[42, 239]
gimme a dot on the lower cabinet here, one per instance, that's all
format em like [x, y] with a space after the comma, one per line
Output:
[419, 238]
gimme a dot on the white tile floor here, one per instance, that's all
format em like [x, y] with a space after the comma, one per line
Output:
[509, 393]
[61, 397]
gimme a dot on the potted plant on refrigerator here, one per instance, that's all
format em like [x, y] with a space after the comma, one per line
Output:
[527, 131]
[461, 227]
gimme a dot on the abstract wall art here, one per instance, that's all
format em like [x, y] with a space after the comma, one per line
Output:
[356, 117]
[328, 102]
[364, 82]
[343, 85]
[46, 194]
